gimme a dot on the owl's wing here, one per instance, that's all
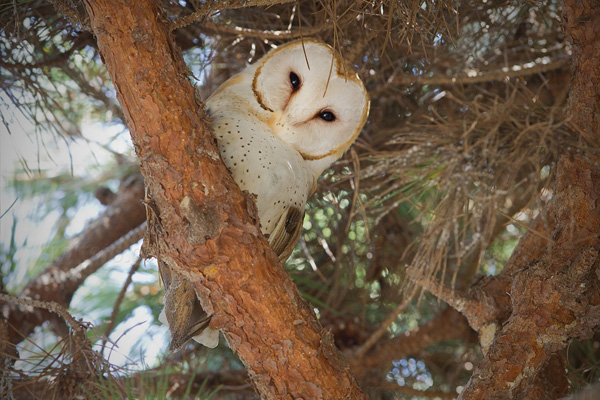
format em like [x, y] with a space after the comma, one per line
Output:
[182, 311]
[284, 237]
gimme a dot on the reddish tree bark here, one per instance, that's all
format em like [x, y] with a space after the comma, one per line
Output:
[555, 293]
[582, 26]
[555, 298]
[252, 299]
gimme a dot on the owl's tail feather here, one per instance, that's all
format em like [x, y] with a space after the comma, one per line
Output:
[199, 330]
[183, 313]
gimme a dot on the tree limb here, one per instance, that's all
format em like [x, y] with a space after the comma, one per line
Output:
[555, 289]
[553, 299]
[59, 281]
[434, 331]
[543, 316]
[239, 279]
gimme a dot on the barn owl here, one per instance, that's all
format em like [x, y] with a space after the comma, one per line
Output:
[279, 124]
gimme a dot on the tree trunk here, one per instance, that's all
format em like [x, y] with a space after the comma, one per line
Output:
[242, 284]
[555, 293]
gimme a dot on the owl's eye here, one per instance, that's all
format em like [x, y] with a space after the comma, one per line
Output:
[327, 116]
[294, 81]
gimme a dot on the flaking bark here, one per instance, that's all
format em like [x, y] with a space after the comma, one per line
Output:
[555, 285]
[253, 301]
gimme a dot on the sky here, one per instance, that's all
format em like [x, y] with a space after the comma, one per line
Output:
[36, 221]
[27, 153]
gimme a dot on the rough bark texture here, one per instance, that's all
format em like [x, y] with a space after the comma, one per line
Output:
[555, 289]
[551, 382]
[555, 298]
[241, 283]
[582, 26]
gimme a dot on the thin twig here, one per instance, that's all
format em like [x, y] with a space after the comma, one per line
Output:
[221, 5]
[356, 200]
[454, 297]
[212, 27]
[529, 229]
[88, 267]
[47, 305]
[120, 297]
[479, 77]
[188, 19]
[366, 346]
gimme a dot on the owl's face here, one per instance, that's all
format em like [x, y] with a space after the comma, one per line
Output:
[311, 100]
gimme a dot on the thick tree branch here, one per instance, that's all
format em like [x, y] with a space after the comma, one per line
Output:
[582, 26]
[553, 299]
[555, 289]
[238, 277]
[62, 278]
[486, 305]
[434, 331]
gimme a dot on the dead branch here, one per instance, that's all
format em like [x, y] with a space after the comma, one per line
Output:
[60, 280]
[222, 5]
[472, 77]
[46, 305]
[213, 28]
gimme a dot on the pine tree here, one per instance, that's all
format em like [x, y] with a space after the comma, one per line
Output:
[453, 251]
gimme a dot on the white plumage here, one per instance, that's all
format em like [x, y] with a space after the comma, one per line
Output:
[279, 124]
[271, 134]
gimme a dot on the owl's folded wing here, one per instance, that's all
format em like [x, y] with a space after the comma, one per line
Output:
[284, 237]
[183, 312]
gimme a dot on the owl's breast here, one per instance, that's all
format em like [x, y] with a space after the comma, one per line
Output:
[260, 162]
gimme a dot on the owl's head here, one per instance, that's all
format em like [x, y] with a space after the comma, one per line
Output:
[312, 100]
